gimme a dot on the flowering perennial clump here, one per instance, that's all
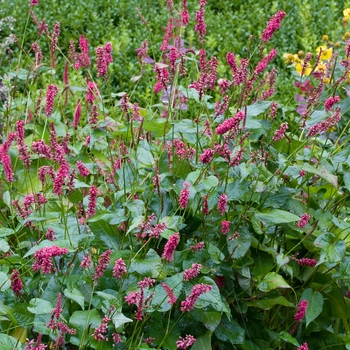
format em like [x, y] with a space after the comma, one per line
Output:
[174, 207]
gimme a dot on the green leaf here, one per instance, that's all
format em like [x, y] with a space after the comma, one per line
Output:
[257, 108]
[315, 304]
[339, 308]
[144, 156]
[84, 322]
[210, 182]
[238, 247]
[4, 246]
[5, 282]
[230, 331]
[288, 338]
[4, 231]
[119, 319]
[210, 319]
[160, 300]
[9, 343]
[267, 304]
[39, 306]
[76, 296]
[272, 281]
[331, 250]
[150, 266]
[215, 254]
[80, 184]
[185, 126]
[323, 172]
[276, 216]
[203, 342]
[211, 298]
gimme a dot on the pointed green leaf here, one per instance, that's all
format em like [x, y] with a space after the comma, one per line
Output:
[151, 265]
[5, 282]
[267, 304]
[277, 216]
[315, 304]
[272, 281]
[203, 342]
[230, 331]
[288, 338]
[40, 306]
[9, 343]
[76, 296]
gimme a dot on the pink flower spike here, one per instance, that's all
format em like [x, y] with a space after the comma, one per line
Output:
[197, 291]
[83, 170]
[16, 282]
[330, 102]
[42, 258]
[186, 342]
[225, 227]
[192, 272]
[51, 93]
[92, 201]
[307, 262]
[184, 194]
[119, 268]
[303, 347]
[304, 220]
[222, 204]
[302, 307]
[273, 24]
[170, 246]
[102, 265]
[170, 293]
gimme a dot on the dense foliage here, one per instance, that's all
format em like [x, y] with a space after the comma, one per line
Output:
[229, 23]
[184, 208]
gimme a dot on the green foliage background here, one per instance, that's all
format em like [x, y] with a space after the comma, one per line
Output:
[229, 25]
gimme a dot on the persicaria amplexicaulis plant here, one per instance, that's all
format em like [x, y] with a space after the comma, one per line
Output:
[198, 217]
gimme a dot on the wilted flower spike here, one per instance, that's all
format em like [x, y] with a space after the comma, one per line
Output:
[16, 282]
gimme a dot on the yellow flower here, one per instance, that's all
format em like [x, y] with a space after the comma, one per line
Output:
[326, 80]
[346, 12]
[299, 68]
[326, 54]
[321, 67]
[290, 58]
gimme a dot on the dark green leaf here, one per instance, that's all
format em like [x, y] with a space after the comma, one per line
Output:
[230, 331]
